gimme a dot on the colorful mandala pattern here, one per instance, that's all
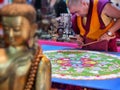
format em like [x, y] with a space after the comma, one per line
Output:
[83, 65]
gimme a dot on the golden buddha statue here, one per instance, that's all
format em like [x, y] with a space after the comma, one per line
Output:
[22, 63]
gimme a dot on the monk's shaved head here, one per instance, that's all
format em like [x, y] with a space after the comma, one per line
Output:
[74, 2]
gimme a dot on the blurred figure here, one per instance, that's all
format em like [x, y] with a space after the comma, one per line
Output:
[60, 7]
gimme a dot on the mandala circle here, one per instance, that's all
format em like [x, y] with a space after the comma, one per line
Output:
[83, 65]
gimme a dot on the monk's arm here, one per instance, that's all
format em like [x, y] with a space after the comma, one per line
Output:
[113, 12]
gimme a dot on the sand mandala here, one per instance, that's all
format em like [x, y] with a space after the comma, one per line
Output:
[83, 65]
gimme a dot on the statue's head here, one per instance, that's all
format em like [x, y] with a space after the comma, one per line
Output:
[18, 22]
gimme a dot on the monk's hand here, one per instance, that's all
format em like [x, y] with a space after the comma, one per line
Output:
[107, 36]
[79, 40]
